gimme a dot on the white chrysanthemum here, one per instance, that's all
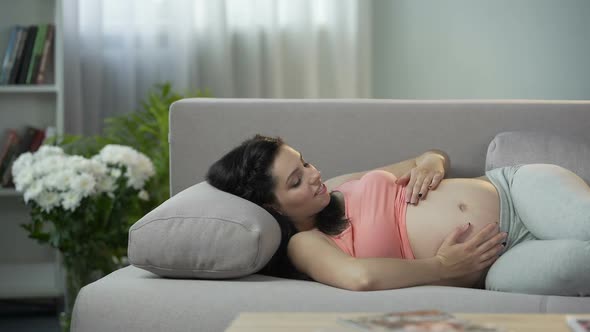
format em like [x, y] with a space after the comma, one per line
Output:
[116, 173]
[60, 180]
[23, 179]
[106, 184]
[143, 195]
[115, 154]
[33, 191]
[49, 150]
[134, 180]
[51, 178]
[21, 163]
[84, 184]
[97, 168]
[139, 168]
[50, 164]
[47, 200]
[71, 200]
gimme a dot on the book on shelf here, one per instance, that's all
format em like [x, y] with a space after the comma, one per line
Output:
[8, 148]
[14, 146]
[424, 321]
[9, 55]
[38, 140]
[18, 56]
[27, 59]
[21, 77]
[42, 71]
[36, 53]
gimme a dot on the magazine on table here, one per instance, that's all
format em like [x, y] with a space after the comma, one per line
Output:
[578, 323]
[417, 321]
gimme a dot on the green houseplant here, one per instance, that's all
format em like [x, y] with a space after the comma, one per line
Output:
[145, 131]
[77, 204]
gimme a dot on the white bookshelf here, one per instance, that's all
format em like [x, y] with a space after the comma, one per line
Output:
[28, 269]
[9, 192]
[7, 89]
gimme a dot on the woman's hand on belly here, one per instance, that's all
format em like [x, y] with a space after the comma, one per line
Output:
[454, 203]
[473, 255]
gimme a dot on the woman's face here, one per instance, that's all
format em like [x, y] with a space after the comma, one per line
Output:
[300, 192]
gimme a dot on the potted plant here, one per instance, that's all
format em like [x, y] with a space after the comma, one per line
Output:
[92, 234]
[78, 206]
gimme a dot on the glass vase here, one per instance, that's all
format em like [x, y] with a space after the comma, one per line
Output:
[77, 275]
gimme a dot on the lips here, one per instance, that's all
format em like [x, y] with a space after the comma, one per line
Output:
[321, 189]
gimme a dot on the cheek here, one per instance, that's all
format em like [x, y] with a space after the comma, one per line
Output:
[299, 198]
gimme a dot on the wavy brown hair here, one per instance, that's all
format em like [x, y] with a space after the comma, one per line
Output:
[245, 171]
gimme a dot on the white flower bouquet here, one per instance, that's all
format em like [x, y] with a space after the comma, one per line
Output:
[52, 179]
[81, 205]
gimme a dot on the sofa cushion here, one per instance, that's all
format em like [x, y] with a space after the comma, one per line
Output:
[528, 147]
[203, 232]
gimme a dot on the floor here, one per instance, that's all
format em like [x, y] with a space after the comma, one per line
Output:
[38, 315]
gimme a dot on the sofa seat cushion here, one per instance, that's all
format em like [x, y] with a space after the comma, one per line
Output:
[133, 299]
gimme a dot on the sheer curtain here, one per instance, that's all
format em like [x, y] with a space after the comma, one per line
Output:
[116, 51]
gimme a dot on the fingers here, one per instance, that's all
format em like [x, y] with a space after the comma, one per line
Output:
[493, 252]
[452, 238]
[486, 263]
[438, 176]
[419, 183]
[404, 179]
[426, 185]
[410, 187]
[483, 235]
[417, 188]
[493, 242]
[414, 189]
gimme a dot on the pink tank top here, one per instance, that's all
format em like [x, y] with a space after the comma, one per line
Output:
[376, 209]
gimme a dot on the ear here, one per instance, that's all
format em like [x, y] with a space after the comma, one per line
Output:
[273, 207]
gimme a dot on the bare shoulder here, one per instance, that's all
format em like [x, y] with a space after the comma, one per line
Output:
[397, 169]
[483, 177]
[334, 182]
[311, 235]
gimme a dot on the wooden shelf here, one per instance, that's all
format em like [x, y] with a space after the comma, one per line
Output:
[30, 273]
[9, 192]
[28, 88]
[30, 280]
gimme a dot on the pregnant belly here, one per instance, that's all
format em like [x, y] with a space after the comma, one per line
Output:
[455, 202]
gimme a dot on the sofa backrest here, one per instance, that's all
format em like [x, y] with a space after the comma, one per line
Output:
[348, 135]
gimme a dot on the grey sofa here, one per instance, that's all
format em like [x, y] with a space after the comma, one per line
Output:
[338, 136]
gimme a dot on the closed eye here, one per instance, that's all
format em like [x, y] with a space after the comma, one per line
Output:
[299, 180]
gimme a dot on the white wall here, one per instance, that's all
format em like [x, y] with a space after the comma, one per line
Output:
[538, 49]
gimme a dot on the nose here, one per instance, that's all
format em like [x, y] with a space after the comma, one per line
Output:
[317, 177]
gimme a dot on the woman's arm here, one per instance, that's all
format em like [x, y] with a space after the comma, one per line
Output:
[313, 254]
[432, 156]
[397, 169]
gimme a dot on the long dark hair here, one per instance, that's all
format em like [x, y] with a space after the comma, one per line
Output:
[245, 171]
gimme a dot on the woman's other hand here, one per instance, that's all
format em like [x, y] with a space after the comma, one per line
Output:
[419, 180]
[476, 254]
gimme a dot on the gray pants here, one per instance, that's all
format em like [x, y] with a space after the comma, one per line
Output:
[546, 211]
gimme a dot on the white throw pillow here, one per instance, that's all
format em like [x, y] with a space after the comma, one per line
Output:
[203, 232]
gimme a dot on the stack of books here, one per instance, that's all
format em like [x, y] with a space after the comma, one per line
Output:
[14, 144]
[28, 57]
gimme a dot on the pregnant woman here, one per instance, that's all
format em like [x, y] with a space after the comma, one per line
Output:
[524, 228]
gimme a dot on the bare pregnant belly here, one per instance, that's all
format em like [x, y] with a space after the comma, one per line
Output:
[455, 202]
